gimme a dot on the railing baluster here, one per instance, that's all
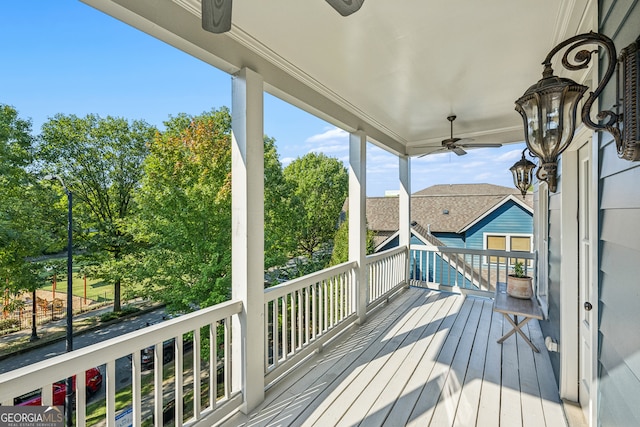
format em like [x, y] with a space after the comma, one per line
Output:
[178, 380]
[227, 357]
[275, 330]
[307, 314]
[111, 393]
[301, 327]
[331, 303]
[314, 310]
[47, 395]
[266, 335]
[292, 322]
[213, 364]
[136, 388]
[81, 399]
[344, 278]
[157, 382]
[284, 328]
[197, 366]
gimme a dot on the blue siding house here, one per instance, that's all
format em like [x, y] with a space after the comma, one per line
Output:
[472, 216]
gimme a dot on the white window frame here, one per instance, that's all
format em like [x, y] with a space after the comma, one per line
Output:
[507, 237]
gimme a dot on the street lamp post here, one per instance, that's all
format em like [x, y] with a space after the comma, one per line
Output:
[68, 399]
[34, 317]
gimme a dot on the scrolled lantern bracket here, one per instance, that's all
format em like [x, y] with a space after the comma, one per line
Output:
[550, 123]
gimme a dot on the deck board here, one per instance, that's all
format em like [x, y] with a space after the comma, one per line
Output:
[401, 409]
[510, 408]
[384, 403]
[427, 358]
[447, 405]
[466, 415]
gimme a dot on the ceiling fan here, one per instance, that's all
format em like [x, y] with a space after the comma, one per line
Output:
[216, 14]
[456, 144]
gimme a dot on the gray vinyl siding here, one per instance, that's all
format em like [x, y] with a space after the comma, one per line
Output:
[619, 256]
[551, 325]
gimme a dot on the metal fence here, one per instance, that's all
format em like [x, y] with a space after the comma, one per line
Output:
[17, 314]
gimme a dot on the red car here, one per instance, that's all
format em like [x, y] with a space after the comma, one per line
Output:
[93, 384]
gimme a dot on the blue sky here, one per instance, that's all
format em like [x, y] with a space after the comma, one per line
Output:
[65, 57]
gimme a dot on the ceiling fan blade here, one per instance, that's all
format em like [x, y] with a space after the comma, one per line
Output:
[216, 15]
[346, 7]
[459, 151]
[480, 145]
[438, 151]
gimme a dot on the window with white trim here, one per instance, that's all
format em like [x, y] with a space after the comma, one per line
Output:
[508, 242]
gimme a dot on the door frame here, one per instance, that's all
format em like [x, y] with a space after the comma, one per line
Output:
[569, 273]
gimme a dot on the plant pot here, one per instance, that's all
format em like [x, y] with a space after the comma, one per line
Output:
[519, 287]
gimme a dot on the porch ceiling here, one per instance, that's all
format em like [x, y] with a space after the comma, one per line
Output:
[394, 69]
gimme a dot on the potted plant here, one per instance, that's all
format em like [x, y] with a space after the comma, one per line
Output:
[519, 285]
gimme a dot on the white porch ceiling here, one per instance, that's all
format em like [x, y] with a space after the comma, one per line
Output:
[394, 69]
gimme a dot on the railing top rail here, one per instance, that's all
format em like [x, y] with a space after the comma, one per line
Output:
[384, 254]
[484, 252]
[48, 371]
[286, 288]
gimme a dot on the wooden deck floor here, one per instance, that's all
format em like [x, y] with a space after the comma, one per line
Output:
[426, 359]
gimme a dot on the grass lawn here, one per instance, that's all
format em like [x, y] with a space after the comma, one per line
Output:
[97, 290]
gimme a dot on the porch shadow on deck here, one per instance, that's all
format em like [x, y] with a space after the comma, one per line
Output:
[427, 358]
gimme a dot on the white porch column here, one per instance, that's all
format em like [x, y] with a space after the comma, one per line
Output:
[357, 217]
[247, 238]
[404, 206]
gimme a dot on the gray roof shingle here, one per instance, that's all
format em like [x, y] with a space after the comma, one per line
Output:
[440, 208]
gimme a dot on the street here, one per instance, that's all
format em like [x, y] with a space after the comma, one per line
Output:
[83, 340]
[123, 365]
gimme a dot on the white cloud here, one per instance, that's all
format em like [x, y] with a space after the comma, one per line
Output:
[328, 149]
[513, 156]
[329, 135]
[480, 165]
[286, 161]
[483, 176]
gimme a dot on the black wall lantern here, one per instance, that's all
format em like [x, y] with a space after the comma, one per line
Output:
[522, 172]
[548, 108]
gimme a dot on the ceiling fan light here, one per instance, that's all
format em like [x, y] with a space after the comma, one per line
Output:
[216, 16]
[346, 7]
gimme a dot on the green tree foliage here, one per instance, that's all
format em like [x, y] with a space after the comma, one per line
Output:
[24, 206]
[340, 252]
[100, 161]
[278, 244]
[320, 186]
[185, 211]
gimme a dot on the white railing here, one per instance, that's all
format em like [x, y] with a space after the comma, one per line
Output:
[464, 270]
[208, 393]
[303, 314]
[386, 273]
